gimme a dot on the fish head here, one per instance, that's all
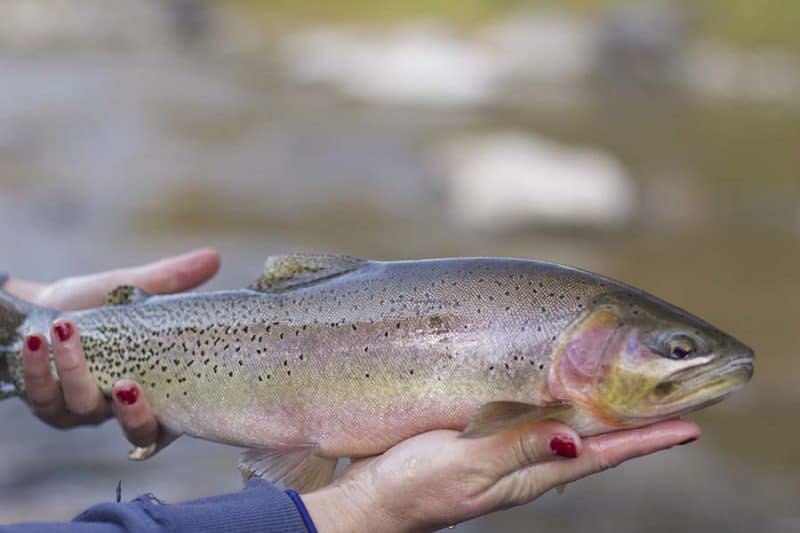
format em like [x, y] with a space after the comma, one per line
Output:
[631, 360]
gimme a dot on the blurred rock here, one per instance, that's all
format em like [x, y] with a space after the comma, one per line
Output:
[506, 180]
[424, 64]
[190, 19]
[717, 71]
[642, 45]
[546, 48]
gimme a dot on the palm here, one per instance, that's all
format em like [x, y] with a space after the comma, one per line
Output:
[453, 479]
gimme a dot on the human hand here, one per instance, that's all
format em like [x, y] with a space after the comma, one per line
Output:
[437, 479]
[74, 398]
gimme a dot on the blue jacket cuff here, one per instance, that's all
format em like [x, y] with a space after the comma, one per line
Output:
[259, 508]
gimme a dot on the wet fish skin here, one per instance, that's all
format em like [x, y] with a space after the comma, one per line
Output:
[348, 356]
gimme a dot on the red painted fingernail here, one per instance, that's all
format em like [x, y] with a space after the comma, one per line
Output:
[128, 395]
[687, 441]
[564, 446]
[33, 342]
[63, 331]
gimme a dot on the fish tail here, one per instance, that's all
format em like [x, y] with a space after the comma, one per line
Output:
[13, 315]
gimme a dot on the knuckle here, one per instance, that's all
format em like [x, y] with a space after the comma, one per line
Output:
[523, 488]
[70, 361]
[83, 407]
[604, 462]
[41, 405]
[526, 449]
[164, 280]
[36, 377]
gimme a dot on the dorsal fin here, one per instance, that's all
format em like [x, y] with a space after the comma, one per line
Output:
[286, 272]
[126, 294]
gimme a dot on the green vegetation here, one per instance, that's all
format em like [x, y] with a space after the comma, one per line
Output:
[748, 23]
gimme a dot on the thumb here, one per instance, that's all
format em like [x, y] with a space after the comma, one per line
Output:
[168, 275]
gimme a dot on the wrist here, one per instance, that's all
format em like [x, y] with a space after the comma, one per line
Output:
[338, 509]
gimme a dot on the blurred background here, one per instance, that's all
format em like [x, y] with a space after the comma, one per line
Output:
[658, 143]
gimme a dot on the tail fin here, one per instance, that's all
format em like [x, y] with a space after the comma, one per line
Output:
[13, 313]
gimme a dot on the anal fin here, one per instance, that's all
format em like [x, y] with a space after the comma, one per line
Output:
[496, 417]
[299, 468]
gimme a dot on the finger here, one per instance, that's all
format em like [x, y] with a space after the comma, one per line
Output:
[168, 275]
[81, 394]
[27, 290]
[134, 413]
[526, 445]
[174, 274]
[41, 387]
[598, 454]
[607, 451]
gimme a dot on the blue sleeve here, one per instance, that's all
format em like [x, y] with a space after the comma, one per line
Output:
[3, 279]
[260, 507]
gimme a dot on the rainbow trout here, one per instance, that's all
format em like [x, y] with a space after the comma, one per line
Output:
[331, 356]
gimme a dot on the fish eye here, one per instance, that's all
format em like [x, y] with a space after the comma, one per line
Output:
[680, 347]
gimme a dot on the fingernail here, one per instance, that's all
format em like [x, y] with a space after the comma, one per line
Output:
[63, 331]
[128, 395]
[687, 441]
[33, 342]
[564, 446]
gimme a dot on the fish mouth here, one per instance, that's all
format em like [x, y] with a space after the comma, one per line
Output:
[705, 383]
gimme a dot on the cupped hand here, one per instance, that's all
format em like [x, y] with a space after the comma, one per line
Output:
[74, 398]
[437, 479]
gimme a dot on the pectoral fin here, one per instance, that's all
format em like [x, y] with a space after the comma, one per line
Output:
[496, 417]
[299, 469]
